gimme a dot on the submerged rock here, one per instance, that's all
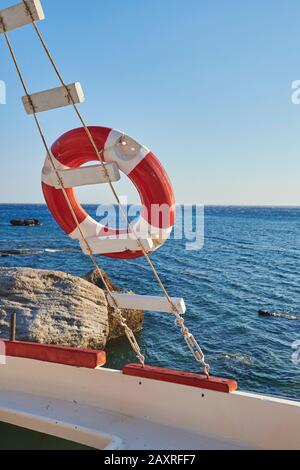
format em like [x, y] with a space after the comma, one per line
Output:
[18, 252]
[55, 308]
[238, 357]
[26, 222]
[266, 313]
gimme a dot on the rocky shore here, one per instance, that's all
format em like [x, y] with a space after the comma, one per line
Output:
[57, 308]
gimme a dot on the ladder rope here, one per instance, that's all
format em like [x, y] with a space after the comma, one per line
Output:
[100, 157]
[117, 312]
[189, 338]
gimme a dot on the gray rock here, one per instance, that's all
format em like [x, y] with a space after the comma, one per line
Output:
[56, 308]
[53, 308]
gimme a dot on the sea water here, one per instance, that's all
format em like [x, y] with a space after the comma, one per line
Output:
[250, 261]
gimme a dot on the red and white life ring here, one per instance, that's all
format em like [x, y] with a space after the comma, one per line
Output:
[74, 149]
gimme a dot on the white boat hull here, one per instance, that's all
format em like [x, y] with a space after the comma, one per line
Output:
[106, 409]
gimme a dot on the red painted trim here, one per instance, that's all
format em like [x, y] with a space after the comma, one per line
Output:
[184, 378]
[88, 358]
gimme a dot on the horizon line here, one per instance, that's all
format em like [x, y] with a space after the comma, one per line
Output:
[283, 206]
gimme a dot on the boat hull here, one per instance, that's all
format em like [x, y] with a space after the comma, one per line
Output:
[106, 409]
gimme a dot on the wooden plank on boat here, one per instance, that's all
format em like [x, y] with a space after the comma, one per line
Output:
[94, 174]
[17, 16]
[149, 303]
[53, 99]
[88, 359]
[113, 244]
[184, 378]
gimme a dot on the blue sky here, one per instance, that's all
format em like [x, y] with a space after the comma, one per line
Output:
[205, 85]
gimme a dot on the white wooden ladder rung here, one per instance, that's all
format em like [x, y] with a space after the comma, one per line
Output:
[17, 16]
[115, 244]
[53, 98]
[147, 302]
[83, 176]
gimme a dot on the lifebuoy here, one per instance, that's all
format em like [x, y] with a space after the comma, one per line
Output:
[74, 149]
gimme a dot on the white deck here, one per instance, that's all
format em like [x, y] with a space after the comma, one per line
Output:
[105, 409]
[97, 426]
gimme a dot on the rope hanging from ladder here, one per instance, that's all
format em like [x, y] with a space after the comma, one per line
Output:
[117, 313]
[179, 322]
